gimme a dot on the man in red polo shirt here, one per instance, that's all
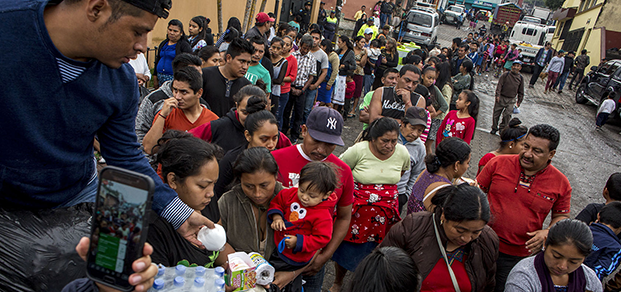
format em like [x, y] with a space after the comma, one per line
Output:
[522, 190]
[321, 134]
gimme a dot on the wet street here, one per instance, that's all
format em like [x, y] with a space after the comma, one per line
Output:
[585, 155]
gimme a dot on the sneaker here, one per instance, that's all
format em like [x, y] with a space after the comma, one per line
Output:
[530, 86]
[545, 91]
[560, 91]
[493, 132]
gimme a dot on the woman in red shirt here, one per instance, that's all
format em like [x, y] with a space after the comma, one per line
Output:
[512, 141]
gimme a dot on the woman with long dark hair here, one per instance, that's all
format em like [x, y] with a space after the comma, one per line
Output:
[346, 68]
[452, 245]
[197, 31]
[174, 44]
[360, 54]
[324, 93]
[511, 142]
[388, 59]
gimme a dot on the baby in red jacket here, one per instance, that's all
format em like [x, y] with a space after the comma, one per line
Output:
[302, 218]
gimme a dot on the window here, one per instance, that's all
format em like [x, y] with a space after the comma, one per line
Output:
[612, 68]
[529, 31]
[551, 29]
[573, 39]
[420, 19]
[566, 27]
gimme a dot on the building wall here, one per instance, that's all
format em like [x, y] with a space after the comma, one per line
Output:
[184, 10]
[593, 46]
[609, 16]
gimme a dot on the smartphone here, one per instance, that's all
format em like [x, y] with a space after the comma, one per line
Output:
[119, 226]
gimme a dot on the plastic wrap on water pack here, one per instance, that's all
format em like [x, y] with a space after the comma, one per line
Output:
[37, 248]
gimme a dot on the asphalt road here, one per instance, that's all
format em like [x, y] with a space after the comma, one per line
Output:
[586, 156]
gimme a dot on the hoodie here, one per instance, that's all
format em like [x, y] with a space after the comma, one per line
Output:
[311, 225]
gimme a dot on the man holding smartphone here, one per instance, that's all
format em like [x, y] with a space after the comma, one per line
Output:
[71, 82]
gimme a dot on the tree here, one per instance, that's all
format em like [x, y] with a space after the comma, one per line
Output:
[554, 4]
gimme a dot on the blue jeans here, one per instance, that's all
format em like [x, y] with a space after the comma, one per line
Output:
[368, 83]
[309, 101]
[282, 102]
[87, 195]
[383, 17]
[314, 283]
[561, 80]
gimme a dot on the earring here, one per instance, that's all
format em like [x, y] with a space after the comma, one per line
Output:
[441, 222]
[510, 146]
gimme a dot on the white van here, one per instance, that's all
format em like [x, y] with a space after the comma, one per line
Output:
[420, 26]
[529, 37]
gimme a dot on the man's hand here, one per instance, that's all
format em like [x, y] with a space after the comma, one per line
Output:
[168, 105]
[291, 241]
[189, 229]
[536, 242]
[432, 111]
[404, 94]
[144, 271]
[497, 98]
[313, 87]
[328, 86]
[315, 265]
[296, 91]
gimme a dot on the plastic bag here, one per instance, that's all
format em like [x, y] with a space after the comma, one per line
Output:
[37, 248]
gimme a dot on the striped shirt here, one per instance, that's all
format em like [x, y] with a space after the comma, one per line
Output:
[307, 66]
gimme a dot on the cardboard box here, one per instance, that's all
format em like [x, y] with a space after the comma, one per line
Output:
[241, 271]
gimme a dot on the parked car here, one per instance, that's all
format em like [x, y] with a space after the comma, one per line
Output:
[419, 26]
[451, 15]
[602, 79]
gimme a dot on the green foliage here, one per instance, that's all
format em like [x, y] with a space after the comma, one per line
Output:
[554, 4]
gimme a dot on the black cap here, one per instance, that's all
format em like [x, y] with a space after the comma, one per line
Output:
[416, 116]
[157, 7]
[325, 124]
[308, 3]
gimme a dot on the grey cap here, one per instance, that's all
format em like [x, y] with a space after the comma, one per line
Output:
[325, 124]
[416, 116]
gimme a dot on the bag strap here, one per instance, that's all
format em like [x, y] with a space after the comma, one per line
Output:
[453, 279]
[434, 191]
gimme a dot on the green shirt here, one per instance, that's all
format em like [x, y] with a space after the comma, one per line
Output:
[365, 103]
[257, 72]
[368, 169]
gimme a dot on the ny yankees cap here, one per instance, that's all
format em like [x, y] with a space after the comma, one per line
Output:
[325, 124]
[157, 7]
[416, 116]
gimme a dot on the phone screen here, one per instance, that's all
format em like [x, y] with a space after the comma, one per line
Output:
[118, 230]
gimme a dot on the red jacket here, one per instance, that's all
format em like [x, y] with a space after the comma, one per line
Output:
[311, 225]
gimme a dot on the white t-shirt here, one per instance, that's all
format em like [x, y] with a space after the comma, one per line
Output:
[140, 65]
[322, 57]
[607, 106]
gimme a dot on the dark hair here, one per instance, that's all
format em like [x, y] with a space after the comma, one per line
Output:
[444, 68]
[428, 68]
[231, 34]
[514, 132]
[119, 8]
[434, 60]
[468, 66]
[390, 70]
[254, 160]
[328, 44]
[278, 40]
[176, 22]
[583, 52]
[239, 46]
[183, 154]
[315, 31]
[374, 43]
[449, 151]
[201, 21]
[386, 269]
[457, 41]
[207, 52]
[347, 41]
[462, 203]
[409, 67]
[412, 59]
[379, 127]
[185, 59]
[571, 231]
[321, 177]
[357, 39]
[258, 40]
[613, 185]
[473, 108]
[256, 120]
[190, 75]
[610, 214]
[546, 132]
[234, 23]
[252, 91]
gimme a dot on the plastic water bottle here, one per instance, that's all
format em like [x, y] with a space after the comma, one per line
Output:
[198, 285]
[178, 284]
[180, 270]
[160, 272]
[200, 272]
[219, 272]
[219, 284]
[158, 285]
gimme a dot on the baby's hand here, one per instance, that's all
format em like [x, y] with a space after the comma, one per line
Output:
[278, 225]
[291, 241]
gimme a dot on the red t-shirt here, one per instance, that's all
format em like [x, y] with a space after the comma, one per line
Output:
[484, 160]
[292, 71]
[439, 278]
[350, 89]
[177, 120]
[516, 206]
[290, 162]
[312, 225]
[453, 126]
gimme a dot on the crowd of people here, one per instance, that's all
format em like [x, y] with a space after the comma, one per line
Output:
[241, 132]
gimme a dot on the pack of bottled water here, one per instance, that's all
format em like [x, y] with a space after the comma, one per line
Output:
[193, 279]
